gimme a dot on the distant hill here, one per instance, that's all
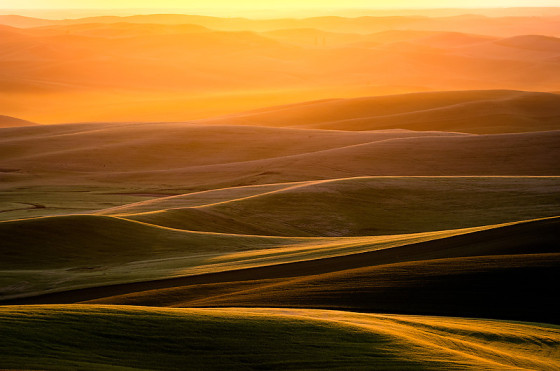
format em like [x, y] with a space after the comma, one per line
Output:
[495, 26]
[460, 111]
[25, 22]
[533, 42]
[117, 30]
[8, 121]
[191, 67]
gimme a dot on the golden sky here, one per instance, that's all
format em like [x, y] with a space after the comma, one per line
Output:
[266, 4]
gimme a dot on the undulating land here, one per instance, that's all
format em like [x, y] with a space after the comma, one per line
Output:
[189, 192]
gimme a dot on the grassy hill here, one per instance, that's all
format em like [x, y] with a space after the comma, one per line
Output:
[198, 258]
[356, 206]
[137, 338]
[202, 157]
[128, 147]
[504, 155]
[495, 273]
[84, 251]
[511, 287]
[481, 112]
[120, 250]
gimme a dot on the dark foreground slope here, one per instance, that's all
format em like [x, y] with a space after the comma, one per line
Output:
[113, 337]
[517, 287]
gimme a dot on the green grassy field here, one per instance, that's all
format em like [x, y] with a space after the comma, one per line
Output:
[125, 338]
[349, 207]
[365, 206]
[513, 287]
[37, 201]
[496, 273]
[121, 251]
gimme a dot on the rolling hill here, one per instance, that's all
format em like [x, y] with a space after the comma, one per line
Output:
[357, 206]
[179, 258]
[495, 273]
[127, 251]
[137, 338]
[7, 121]
[130, 68]
[495, 25]
[480, 112]
[154, 146]
[502, 155]
[509, 287]
[201, 157]
[117, 30]
[533, 42]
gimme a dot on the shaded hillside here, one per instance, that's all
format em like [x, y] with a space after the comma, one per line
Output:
[498, 273]
[461, 111]
[302, 258]
[266, 338]
[508, 287]
[85, 241]
[78, 251]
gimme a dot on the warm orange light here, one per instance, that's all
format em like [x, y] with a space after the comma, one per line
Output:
[271, 4]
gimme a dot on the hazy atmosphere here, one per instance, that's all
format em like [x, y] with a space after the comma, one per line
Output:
[252, 4]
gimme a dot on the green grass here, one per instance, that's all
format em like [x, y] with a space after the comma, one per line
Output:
[194, 199]
[61, 253]
[37, 201]
[124, 338]
[513, 287]
[368, 206]
[349, 207]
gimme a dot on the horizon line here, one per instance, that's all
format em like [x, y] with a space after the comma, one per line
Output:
[298, 8]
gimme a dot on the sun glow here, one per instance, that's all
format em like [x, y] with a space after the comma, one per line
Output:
[270, 4]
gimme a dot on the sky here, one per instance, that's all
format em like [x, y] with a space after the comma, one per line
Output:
[267, 4]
